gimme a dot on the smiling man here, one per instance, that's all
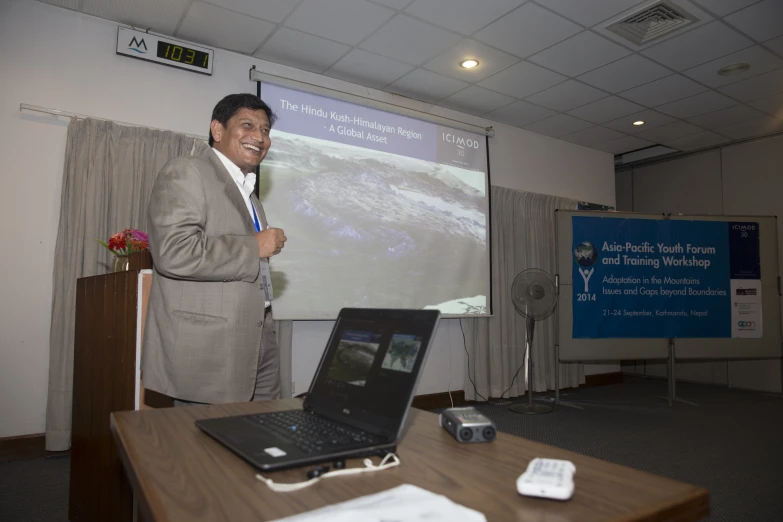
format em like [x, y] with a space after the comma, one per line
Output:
[209, 335]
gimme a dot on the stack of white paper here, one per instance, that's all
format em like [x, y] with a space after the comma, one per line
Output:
[404, 503]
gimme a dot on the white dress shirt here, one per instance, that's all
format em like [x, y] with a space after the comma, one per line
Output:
[246, 184]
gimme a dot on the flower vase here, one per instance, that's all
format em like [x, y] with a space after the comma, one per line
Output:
[121, 263]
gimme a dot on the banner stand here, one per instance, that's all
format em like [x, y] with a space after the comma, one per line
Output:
[573, 404]
[671, 377]
[557, 383]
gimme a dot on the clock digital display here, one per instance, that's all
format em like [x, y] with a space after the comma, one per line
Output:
[182, 54]
[165, 51]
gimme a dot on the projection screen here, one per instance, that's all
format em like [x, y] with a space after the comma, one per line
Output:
[381, 210]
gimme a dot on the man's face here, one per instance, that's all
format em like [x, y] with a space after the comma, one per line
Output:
[245, 138]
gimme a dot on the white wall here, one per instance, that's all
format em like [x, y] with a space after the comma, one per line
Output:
[61, 59]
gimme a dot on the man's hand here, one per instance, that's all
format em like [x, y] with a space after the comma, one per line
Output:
[270, 241]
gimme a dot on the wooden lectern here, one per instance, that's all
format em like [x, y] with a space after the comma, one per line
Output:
[110, 312]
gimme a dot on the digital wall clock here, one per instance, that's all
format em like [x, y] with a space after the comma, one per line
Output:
[164, 50]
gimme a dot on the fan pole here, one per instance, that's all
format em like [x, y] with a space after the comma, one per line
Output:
[530, 408]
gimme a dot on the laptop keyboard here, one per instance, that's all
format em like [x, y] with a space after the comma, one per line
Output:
[312, 433]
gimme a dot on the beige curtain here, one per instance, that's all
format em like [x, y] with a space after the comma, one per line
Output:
[107, 178]
[523, 236]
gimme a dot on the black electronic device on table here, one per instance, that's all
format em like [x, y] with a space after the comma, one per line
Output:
[357, 402]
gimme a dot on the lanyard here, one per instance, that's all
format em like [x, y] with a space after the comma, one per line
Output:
[255, 217]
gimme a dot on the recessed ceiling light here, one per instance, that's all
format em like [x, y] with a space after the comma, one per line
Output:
[469, 64]
[735, 68]
[638, 122]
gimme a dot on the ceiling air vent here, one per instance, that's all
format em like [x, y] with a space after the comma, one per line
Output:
[652, 22]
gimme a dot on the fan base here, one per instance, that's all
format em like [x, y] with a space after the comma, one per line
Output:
[530, 409]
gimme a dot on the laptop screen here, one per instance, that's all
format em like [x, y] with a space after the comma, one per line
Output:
[371, 366]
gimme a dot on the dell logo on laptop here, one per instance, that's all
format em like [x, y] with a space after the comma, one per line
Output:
[346, 411]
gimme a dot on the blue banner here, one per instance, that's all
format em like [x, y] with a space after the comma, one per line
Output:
[659, 278]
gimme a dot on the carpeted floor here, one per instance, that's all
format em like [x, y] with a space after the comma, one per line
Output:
[35, 490]
[731, 444]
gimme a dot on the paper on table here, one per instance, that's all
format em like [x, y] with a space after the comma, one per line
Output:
[406, 503]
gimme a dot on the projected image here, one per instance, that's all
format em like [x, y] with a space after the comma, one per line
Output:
[354, 357]
[368, 228]
[402, 353]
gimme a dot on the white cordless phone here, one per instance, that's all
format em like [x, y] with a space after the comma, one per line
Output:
[548, 478]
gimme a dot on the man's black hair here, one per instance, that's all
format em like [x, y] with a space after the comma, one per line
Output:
[231, 104]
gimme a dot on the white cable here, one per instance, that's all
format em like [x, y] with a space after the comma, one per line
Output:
[369, 466]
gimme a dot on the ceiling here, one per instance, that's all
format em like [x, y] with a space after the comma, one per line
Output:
[548, 66]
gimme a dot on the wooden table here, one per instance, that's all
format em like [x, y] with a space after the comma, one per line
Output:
[180, 474]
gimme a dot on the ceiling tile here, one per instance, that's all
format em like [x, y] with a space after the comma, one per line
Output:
[772, 105]
[757, 87]
[161, 17]
[724, 7]
[222, 28]
[588, 13]
[760, 61]
[566, 96]
[697, 46]
[663, 91]
[698, 104]
[579, 54]
[273, 11]
[650, 118]
[301, 50]
[394, 4]
[671, 131]
[725, 117]
[490, 61]
[696, 141]
[409, 40]
[776, 44]
[761, 21]
[606, 109]
[749, 129]
[522, 79]
[624, 74]
[425, 85]
[558, 125]
[527, 30]
[346, 21]
[519, 114]
[476, 100]
[592, 135]
[68, 4]
[463, 16]
[622, 145]
[368, 69]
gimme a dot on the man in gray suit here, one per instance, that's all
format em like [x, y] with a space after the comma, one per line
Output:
[209, 335]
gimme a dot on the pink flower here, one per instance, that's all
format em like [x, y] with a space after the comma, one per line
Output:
[138, 235]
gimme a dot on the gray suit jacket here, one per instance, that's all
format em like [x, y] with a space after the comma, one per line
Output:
[206, 306]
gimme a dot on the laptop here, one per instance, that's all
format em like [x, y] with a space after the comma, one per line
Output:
[357, 403]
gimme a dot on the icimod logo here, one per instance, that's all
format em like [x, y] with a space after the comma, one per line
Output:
[586, 255]
[459, 141]
[746, 324]
[136, 45]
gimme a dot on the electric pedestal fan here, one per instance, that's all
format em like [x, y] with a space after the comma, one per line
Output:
[534, 297]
